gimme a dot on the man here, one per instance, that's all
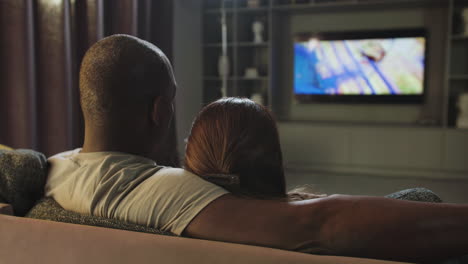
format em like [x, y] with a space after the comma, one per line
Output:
[127, 88]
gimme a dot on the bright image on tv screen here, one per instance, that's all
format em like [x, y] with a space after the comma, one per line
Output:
[392, 66]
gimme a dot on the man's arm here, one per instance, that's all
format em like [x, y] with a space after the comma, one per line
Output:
[339, 225]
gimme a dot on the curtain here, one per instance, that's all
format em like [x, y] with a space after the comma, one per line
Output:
[42, 43]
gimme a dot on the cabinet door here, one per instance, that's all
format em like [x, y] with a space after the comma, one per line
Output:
[401, 148]
[308, 145]
[456, 150]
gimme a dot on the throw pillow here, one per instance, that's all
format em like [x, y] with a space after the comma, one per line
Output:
[22, 178]
[416, 195]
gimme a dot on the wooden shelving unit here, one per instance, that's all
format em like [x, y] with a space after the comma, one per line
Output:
[459, 37]
[244, 53]
[238, 44]
[457, 61]
[239, 78]
[459, 77]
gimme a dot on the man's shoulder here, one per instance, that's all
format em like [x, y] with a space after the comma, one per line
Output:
[102, 159]
[176, 176]
[64, 155]
[175, 172]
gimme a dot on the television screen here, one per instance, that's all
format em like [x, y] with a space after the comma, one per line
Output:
[360, 66]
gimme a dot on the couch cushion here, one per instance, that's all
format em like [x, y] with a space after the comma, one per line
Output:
[22, 178]
[49, 209]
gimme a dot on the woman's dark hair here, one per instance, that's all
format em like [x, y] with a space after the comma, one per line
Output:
[237, 136]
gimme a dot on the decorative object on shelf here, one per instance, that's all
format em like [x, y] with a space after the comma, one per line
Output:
[257, 28]
[462, 120]
[258, 98]
[253, 3]
[223, 61]
[223, 66]
[457, 24]
[293, 2]
[251, 73]
[465, 21]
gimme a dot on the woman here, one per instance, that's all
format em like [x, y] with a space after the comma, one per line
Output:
[234, 143]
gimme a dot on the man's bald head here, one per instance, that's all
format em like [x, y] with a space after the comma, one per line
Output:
[120, 75]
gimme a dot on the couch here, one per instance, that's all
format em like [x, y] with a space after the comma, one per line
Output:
[25, 240]
[83, 239]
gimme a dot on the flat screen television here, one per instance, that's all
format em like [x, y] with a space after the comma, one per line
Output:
[360, 67]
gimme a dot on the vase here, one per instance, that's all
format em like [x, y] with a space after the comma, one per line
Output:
[462, 119]
[257, 28]
[223, 65]
[464, 15]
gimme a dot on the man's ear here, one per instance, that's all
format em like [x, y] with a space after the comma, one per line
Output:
[156, 111]
[161, 111]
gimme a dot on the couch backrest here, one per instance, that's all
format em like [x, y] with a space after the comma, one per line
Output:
[6, 209]
[25, 240]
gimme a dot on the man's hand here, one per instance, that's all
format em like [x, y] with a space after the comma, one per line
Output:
[301, 196]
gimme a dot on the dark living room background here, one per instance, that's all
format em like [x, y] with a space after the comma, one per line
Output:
[42, 44]
[333, 146]
[336, 147]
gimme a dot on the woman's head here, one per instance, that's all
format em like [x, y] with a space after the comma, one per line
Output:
[238, 136]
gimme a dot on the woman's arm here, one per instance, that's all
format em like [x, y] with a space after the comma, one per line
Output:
[394, 229]
[339, 225]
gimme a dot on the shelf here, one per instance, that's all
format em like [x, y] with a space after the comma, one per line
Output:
[260, 78]
[217, 45]
[260, 9]
[364, 124]
[459, 77]
[252, 9]
[460, 37]
[214, 78]
[252, 44]
[236, 78]
[325, 4]
[218, 10]
[355, 3]
[237, 44]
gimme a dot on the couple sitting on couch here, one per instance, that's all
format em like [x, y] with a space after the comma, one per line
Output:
[233, 188]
